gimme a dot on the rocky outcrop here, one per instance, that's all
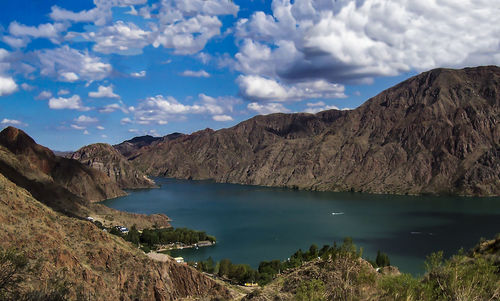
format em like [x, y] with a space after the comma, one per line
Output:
[437, 133]
[65, 185]
[92, 264]
[107, 159]
[38, 163]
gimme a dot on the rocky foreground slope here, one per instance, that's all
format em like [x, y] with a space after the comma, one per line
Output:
[76, 257]
[438, 132]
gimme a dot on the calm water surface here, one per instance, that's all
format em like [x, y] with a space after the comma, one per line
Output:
[258, 223]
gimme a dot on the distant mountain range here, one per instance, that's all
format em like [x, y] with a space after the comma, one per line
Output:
[436, 133]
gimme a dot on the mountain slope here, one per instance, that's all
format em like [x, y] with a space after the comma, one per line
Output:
[78, 179]
[92, 264]
[437, 132]
[130, 147]
[107, 159]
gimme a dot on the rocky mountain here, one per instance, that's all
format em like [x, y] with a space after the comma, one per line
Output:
[73, 257]
[40, 162]
[65, 185]
[129, 147]
[107, 159]
[437, 132]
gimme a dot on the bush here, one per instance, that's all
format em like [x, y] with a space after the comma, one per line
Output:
[313, 290]
[382, 260]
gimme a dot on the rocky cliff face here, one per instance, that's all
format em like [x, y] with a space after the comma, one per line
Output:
[437, 132]
[130, 147]
[105, 158]
[92, 264]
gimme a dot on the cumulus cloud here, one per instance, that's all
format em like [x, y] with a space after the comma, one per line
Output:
[47, 31]
[100, 15]
[315, 107]
[44, 95]
[77, 127]
[27, 87]
[72, 103]
[222, 118]
[114, 107]
[104, 92]
[100, 128]
[138, 74]
[160, 110]
[121, 37]
[125, 120]
[63, 92]
[258, 88]
[69, 64]
[267, 108]
[7, 85]
[14, 122]
[84, 119]
[191, 73]
[353, 41]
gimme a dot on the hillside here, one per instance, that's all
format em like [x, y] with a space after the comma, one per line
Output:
[76, 257]
[437, 132]
[130, 147]
[107, 159]
[65, 185]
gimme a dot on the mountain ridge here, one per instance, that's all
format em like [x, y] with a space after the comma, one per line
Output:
[436, 133]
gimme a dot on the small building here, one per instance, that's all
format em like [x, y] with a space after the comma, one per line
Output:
[204, 243]
[90, 218]
[179, 259]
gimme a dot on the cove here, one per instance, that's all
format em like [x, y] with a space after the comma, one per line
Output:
[254, 223]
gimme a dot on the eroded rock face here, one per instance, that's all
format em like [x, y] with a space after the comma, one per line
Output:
[25, 160]
[97, 265]
[437, 132]
[107, 159]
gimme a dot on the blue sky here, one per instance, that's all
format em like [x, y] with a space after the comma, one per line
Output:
[78, 72]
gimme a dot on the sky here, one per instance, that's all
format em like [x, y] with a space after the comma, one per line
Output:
[79, 72]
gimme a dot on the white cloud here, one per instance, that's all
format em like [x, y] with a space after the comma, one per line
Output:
[258, 88]
[44, 95]
[27, 87]
[222, 118]
[77, 127]
[69, 77]
[16, 42]
[138, 74]
[7, 85]
[354, 41]
[14, 122]
[48, 31]
[72, 103]
[315, 107]
[161, 110]
[83, 119]
[104, 92]
[267, 108]
[113, 107]
[70, 64]
[100, 128]
[104, 136]
[85, 132]
[100, 15]
[200, 73]
[125, 120]
[121, 37]
[63, 92]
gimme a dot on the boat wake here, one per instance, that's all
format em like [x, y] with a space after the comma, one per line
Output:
[337, 213]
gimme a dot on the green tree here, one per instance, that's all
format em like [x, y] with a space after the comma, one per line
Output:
[382, 259]
[133, 235]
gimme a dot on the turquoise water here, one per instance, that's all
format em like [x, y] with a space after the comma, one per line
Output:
[259, 223]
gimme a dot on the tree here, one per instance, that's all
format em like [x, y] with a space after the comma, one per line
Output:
[133, 235]
[382, 259]
[312, 290]
[11, 266]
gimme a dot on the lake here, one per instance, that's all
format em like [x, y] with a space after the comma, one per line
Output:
[254, 223]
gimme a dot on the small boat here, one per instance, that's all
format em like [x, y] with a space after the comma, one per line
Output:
[337, 213]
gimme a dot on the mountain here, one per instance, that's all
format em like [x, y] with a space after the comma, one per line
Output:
[78, 179]
[107, 159]
[129, 147]
[437, 133]
[73, 257]
[65, 185]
